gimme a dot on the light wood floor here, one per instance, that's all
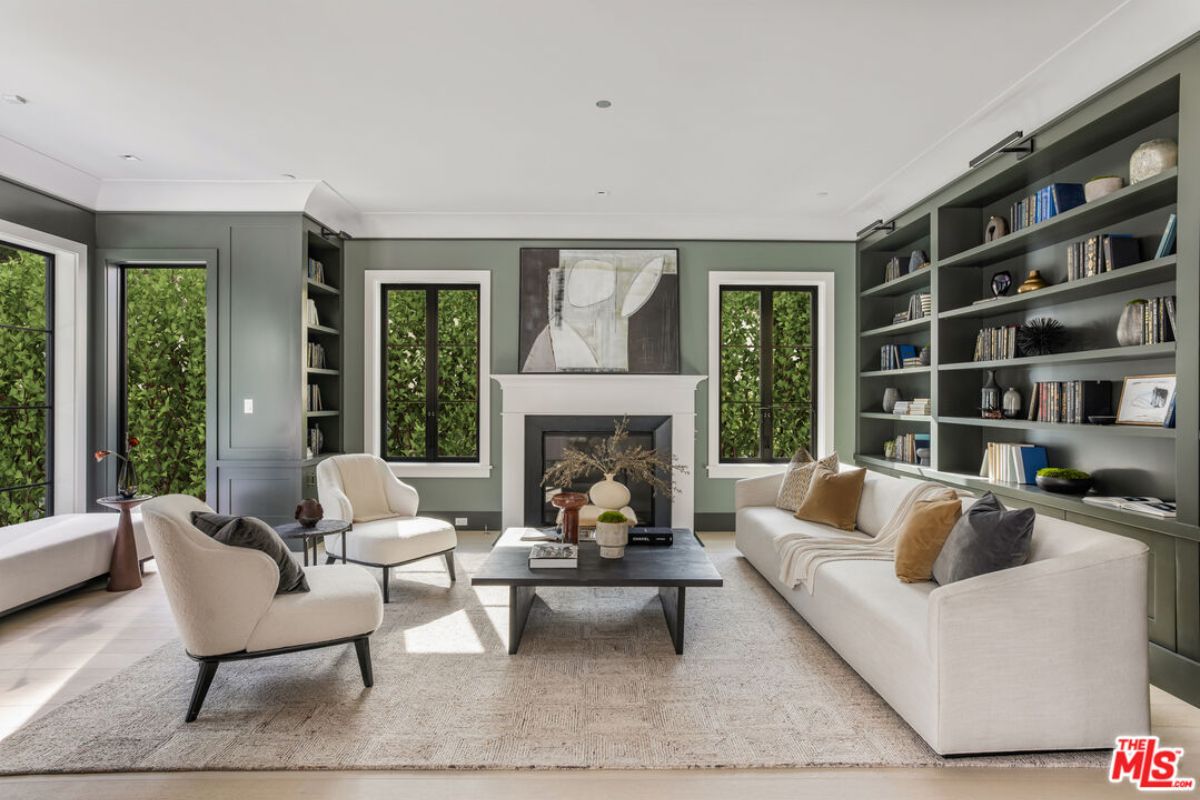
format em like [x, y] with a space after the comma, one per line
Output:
[58, 650]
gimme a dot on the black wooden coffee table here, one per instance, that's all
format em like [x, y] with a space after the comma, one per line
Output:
[669, 569]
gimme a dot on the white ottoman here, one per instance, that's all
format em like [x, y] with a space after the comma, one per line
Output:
[394, 541]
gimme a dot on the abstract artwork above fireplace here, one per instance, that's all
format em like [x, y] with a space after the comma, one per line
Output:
[599, 311]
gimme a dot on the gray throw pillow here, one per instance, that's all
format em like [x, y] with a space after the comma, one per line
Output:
[986, 538]
[255, 534]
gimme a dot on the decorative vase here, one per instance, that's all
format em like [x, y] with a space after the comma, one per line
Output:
[1129, 327]
[1011, 403]
[309, 513]
[996, 227]
[989, 395]
[127, 485]
[1065, 485]
[612, 538]
[1151, 158]
[1098, 187]
[925, 356]
[570, 503]
[1001, 283]
[609, 493]
[890, 396]
[1033, 282]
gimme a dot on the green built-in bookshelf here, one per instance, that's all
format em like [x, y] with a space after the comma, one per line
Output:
[1093, 139]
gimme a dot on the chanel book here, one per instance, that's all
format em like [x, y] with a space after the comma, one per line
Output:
[554, 556]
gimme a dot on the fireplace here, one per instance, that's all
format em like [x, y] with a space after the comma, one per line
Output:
[574, 397]
[547, 436]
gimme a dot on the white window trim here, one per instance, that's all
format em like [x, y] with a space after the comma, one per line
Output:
[824, 281]
[375, 280]
[70, 361]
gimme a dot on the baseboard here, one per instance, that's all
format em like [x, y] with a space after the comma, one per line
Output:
[714, 521]
[476, 520]
[1174, 673]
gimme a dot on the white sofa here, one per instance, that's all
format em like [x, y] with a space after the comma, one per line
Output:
[45, 557]
[1051, 655]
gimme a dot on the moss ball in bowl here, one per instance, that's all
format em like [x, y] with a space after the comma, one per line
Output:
[1064, 481]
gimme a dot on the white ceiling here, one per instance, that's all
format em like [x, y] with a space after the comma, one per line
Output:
[476, 118]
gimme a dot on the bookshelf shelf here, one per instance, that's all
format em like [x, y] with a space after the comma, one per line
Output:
[324, 330]
[1148, 273]
[912, 282]
[320, 371]
[1152, 193]
[879, 373]
[330, 413]
[322, 273]
[1107, 354]
[316, 287]
[909, 418]
[898, 327]
[1144, 431]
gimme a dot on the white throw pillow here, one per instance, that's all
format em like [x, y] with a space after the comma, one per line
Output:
[799, 475]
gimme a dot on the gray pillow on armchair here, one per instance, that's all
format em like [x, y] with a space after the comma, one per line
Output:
[987, 537]
[255, 534]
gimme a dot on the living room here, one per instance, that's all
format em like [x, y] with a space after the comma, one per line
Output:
[562, 398]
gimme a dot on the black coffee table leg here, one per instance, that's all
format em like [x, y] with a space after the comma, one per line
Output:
[673, 602]
[520, 601]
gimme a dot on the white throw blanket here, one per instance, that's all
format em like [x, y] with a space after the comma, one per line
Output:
[801, 554]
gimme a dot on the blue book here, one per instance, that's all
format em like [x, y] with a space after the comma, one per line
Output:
[1066, 196]
[908, 351]
[1031, 460]
[1166, 245]
[1169, 420]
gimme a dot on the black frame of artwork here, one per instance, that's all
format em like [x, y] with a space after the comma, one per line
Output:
[657, 322]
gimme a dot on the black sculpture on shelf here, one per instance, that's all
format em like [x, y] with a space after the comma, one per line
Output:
[1041, 337]
[1001, 283]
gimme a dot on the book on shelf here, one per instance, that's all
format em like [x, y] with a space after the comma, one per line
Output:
[553, 556]
[1102, 253]
[1047, 202]
[919, 305]
[1166, 245]
[314, 398]
[1158, 320]
[1142, 505]
[313, 317]
[994, 344]
[316, 271]
[905, 446]
[1009, 462]
[899, 356]
[1069, 402]
[316, 355]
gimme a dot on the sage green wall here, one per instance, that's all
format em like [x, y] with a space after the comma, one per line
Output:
[42, 212]
[696, 259]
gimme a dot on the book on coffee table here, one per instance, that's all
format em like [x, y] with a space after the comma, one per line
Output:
[539, 534]
[554, 556]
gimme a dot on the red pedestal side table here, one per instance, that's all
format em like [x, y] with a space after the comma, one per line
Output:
[123, 571]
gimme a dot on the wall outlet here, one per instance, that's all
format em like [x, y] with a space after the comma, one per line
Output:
[460, 520]
[248, 405]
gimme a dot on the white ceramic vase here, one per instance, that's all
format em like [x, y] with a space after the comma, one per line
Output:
[1152, 157]
[1099, 187]
[608, 493]
[612, 538]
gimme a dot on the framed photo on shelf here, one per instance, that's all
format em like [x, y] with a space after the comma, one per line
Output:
[1146, 399]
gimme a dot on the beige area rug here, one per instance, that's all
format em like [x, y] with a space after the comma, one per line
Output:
[596, 685]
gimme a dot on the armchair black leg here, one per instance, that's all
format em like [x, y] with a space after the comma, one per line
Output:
[329, 559]
[386, 575]
[450, 565]
[203, 680]
[363, 647]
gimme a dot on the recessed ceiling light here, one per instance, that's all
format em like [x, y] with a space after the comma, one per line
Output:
[129, 157]
[604, 104]
[602, 192]
[289, 176]
[14, 99]
[822, 194]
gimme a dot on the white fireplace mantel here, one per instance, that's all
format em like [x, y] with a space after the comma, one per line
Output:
[595, 395]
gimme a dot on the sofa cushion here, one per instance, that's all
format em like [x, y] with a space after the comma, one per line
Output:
[254, 534]
[987, 538]
[881, 497]
[922, 535]
[798, 477]
[833, 497]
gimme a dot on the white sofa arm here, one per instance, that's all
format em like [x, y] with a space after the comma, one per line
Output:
[1018, 653]
[760, 491]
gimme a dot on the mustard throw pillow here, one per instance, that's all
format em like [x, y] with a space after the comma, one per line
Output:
[832, 498]
[799, 476]
[921, 537]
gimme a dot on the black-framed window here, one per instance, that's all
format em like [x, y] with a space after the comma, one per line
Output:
[26, 384]
[164, 387]
[430, 372]
[767, 372]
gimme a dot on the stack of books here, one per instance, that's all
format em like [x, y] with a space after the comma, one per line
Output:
[554, 556]
[316, 355]
[1007, 462]
[920, 407]
[1099, 254]
[1047, 202]
[316, 271]
[314, 398]
[920, 305]
[1070, 402]
[996, 343]
[905, 446]
[313, 317]
[899, 356]
[1158, 320]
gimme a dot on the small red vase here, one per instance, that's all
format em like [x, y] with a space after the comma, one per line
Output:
[570, 503]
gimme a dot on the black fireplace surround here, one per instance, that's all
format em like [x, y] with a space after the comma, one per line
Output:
[545, 438]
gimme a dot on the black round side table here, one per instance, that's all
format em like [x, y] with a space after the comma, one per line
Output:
[326, 527]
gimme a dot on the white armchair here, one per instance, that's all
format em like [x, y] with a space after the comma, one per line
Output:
[387, 531]
[224, 602]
